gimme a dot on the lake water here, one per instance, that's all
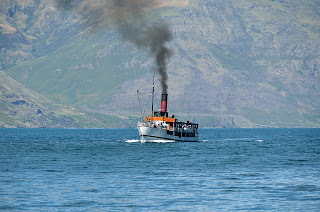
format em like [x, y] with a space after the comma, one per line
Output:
[109, 170]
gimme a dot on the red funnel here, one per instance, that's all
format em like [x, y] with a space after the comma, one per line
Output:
[164, 99]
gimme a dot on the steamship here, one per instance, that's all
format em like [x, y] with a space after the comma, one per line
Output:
[159, 126]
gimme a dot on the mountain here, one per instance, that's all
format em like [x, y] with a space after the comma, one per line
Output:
[21, 107]
[236, 63]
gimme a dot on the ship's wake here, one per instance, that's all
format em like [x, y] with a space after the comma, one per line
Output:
[133, 141]
[157, 141]
[149, 141]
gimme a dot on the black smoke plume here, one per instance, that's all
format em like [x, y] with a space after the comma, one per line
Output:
[152, 37]
[133, 24]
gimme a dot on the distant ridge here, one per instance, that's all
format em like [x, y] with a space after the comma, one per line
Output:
[23, 108]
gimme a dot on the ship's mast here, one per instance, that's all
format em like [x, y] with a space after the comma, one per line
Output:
[152, 96]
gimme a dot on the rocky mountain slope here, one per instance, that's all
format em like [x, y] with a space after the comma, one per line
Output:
[235, 63]
[21, 107]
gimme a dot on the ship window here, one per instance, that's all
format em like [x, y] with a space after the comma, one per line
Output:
[160, 114]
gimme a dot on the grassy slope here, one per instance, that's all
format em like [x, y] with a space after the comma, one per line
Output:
[76, 73]
[21, 107]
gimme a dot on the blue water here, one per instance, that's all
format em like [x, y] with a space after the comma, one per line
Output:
[108, 170]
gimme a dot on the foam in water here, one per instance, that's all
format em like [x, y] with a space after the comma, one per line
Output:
[132, 141]
[157, 141]
[149, 141]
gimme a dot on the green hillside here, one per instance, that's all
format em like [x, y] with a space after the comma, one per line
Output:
[81, 72]
[21, 107]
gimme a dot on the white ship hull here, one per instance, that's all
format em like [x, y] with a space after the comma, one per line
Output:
[152, 133]
[159, 126]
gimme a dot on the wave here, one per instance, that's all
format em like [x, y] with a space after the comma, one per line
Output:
[149, 141]
[133, 141]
